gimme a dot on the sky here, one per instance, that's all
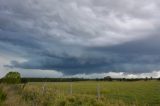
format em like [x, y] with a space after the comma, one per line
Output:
[80, 38]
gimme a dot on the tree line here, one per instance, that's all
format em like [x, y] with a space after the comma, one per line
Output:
[15, 78]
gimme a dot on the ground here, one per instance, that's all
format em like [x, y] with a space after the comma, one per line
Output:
[87, 93]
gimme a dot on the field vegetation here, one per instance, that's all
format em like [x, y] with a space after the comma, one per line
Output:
[83, 93]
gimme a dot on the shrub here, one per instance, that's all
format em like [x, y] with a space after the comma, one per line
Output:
[12, 78]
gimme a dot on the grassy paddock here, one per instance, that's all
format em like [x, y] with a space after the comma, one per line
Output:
[139, 93]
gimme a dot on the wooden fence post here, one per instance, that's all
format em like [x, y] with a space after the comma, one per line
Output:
[98, 91]
[71, 89]
[43, 89]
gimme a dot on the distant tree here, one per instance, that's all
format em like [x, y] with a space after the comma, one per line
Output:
[12, 78]
[108, 78]
[146, 79]
[124, 79]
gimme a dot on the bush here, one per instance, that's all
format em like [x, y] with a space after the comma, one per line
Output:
[12, 78]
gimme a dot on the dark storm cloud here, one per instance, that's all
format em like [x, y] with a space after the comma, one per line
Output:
[83, 36]
[134, 63]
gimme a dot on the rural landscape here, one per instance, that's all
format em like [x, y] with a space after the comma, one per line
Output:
[78, 92]
[79, 52]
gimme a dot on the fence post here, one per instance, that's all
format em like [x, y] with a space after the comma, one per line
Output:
[71, 89]
[43, 89]
[98, 91]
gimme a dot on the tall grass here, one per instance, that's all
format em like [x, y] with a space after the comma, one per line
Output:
[2, 96]
[54, 97]
[12, 95]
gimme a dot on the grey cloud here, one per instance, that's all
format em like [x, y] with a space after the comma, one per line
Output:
[82, 36]
[75, 22]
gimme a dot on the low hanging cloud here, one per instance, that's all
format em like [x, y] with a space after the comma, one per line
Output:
[155, 74]
[82, 36]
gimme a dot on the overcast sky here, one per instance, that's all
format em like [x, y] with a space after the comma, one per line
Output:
[80, 38]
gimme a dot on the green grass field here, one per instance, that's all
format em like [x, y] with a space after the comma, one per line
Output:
[139, 93]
